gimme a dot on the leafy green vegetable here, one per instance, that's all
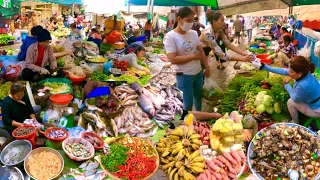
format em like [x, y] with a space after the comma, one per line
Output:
[5, 38]
[238, 89]
[60, 62]
[141, 63]
[143, 81]
[5, 90]
[118, 156]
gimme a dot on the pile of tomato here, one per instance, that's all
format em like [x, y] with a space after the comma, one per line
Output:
[123, 65]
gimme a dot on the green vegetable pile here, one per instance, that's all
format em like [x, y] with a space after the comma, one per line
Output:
[273, 100]
[117, 157]
[5, 90]
[141, 63]
[257, 50]
[5, 38]
[61, 62]
[143, 81]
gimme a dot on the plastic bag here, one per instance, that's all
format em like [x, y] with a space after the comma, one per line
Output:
[52, 117]
[317, 49]
[306, 50]
[75, 132]
[68, 43]
[211, 91]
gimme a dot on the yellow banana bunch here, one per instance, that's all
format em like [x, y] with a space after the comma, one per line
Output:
[179, 154]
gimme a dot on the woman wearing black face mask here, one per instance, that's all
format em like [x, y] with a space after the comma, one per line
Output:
[185, 53]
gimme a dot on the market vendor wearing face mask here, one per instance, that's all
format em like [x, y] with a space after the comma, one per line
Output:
[17, 107]
[186, 53]
[305, 94]
[39, 54]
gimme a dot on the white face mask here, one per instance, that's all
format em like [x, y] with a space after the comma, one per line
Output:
[186, 26]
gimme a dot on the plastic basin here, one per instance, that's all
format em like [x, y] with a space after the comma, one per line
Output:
[76, 81]
[96, 136]
[31, 137]
[48, 131]
[55, 143]
[263, 58]
[61, 99]
[78, 140]
[249, 152]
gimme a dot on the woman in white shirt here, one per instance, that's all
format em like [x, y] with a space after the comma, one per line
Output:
[185, 53]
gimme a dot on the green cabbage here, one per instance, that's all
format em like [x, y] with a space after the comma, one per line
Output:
[261, 108]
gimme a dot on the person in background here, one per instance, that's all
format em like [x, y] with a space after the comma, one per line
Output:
[130, 31]
[28, 41]
[237, 25]
[285, 52]
[292, 22]
[133, 38]
[95, 37]
[258, 22]
[242, 25]
[50, 26]
[273, 28]
[197, 25]
[70, 19]
[284, 32]
[38, 55]
[131, 48]
[304, 94]
[186, 54]
[139, 25]
[74, 31]
[16, 107]
[249, 24]
[277, 32]
[132, 58]
[147, 29]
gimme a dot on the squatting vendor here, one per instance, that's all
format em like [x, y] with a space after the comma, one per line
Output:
[39, 54]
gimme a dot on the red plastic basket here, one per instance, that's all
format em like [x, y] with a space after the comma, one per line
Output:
[76, 81]
[30, 137]
[12, 76]
[61, 99]
[263, 58]
[49, 130]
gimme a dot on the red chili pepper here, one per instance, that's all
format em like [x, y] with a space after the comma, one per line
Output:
[137, 166]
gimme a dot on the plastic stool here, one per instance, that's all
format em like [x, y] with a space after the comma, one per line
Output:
[310, 120]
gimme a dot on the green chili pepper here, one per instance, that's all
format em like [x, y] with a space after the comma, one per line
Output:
[118, 156]
[279, 178]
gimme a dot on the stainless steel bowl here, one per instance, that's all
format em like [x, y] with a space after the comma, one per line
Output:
[39, 150]
[69, 111]
[12, 144]
[5, 174]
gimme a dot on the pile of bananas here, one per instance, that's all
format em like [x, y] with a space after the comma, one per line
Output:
[179, 154]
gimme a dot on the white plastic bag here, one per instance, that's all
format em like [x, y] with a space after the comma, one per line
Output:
[211, 91]
[317, 49]
[306, 50]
